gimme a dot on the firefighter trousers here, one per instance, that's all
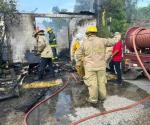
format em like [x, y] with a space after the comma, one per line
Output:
[44, 62]
[96, 83]
[54, 52]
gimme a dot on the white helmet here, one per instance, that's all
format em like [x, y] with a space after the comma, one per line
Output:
[79, 36]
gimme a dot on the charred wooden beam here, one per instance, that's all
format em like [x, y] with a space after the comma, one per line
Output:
[63, 15]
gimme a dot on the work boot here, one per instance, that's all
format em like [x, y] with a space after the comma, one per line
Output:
[89, 104]
[102, 99]
[90, 101]
[95, 105]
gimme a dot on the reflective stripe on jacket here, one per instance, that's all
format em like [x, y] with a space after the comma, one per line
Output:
[53, 46]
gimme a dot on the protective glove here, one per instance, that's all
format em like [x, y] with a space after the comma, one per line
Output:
[80, 70]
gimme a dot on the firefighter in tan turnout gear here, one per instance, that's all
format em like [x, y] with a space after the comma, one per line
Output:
[45, 52]
[92, 54]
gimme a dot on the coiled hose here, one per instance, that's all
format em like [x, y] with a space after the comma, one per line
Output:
[136, 52]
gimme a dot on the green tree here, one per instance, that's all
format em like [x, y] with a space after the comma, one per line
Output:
[131, 10]
[7, 9]
[116, 9]
[143, 13]
[82, 5]
[55, 10]
[7, 6]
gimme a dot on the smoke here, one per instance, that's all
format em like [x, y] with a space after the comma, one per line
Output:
[84, 5]
[78, 26]
[21, 39]
[62, 39]
[22, 42]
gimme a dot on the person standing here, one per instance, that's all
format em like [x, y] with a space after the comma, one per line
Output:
[45, 52]
[52, 42]
[75, 46]
[92, 54]
[115, 64]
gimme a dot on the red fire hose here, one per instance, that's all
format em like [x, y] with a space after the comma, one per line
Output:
[83, 119]
[45, 100]
[111, 111]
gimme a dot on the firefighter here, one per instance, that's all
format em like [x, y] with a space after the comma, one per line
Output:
[45, 52]
[92, 54]
[52, 42]
[75, 45]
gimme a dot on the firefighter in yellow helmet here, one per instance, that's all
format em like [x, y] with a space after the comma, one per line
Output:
[92, 54]
[75, 45]
[52, 42]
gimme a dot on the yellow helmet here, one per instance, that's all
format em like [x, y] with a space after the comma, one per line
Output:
[49, 29]
[91, 29]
